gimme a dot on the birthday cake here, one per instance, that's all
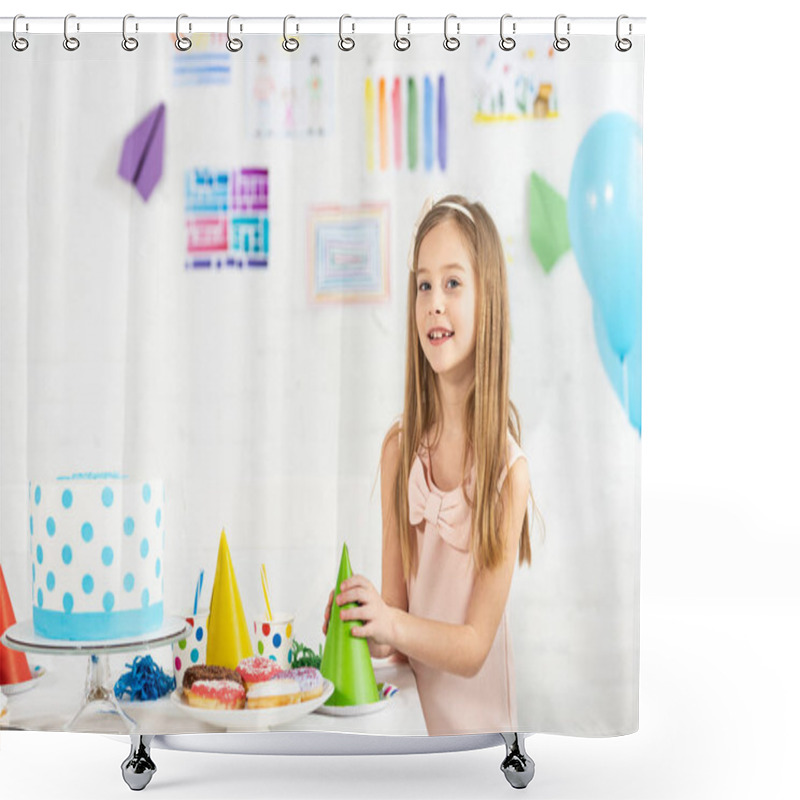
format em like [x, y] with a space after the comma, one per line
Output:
[96, 546]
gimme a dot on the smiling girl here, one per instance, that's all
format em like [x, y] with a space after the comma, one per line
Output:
[454, 484]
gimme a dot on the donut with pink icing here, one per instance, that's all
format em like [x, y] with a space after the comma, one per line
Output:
[256, 669]
[216, 694]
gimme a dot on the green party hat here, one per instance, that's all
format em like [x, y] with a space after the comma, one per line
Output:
[346, 661]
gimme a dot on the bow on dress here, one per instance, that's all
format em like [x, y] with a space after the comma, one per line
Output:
[447, 512]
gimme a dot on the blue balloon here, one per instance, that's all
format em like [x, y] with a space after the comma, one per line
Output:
[615, 368]
[604, 214]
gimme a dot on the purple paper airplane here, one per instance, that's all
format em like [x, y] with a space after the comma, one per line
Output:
[143, 153]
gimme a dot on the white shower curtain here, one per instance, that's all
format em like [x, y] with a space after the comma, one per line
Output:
[229, 317]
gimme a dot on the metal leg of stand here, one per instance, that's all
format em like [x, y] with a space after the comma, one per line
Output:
[138, 768]
[518, 766]
[99, 696]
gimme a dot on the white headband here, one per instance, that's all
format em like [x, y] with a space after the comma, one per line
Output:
[426, 207]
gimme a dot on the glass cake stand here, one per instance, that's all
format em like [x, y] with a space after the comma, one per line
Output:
[99, 692]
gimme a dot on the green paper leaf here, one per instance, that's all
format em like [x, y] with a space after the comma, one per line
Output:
[547, 222]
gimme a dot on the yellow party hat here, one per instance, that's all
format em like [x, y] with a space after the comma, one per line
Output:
[228, 637]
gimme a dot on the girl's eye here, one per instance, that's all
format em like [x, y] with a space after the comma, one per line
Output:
[453, 283]
[424, 286]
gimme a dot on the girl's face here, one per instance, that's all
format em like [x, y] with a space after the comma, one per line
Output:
[446, 302]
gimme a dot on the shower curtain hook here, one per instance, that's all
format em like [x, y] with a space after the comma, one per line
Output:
[561, 43]
[346, 43]
[507, 42]
[401, 42]
[71, 43]
[183, 43]
[623, 45]
[451, 42]
[129, 43]
[19, 43]
[290, 43]
[234, 44]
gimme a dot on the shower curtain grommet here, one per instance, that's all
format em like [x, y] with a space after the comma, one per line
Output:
[507, 42]
[289, 43]
[183, 43]
[234, 44]
[561, 43]
[451, 42]
[401, 43]
[623, 44]
[19, 43]
[71, 43]
[346, 43]
[129, 43]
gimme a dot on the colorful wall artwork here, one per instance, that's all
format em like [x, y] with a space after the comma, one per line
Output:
[348, 254]
[207, 63]
[227, 224]
[289, 97]
[514, 85]
[405, 123]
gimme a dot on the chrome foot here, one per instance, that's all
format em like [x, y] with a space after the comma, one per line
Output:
[518, 766]
[138, 768]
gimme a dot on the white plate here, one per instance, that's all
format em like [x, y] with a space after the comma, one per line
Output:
[252, 718]
[357, 711]
[18, 688]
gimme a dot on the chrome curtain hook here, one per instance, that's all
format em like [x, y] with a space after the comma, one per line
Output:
[71, 43]
[234, 44]
[183, 43]
[507, 42]
[561, 43]
[129, 43]
[346, 43]
[401, 42]
[290, 43]
[19, 43]
[623, 45]
[451, 42]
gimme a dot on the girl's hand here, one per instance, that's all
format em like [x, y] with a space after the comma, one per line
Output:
[377, 616]
[327, 614]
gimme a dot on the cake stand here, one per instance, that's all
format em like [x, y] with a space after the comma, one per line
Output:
[99, 692]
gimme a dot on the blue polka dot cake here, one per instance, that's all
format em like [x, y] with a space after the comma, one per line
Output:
[96, 545]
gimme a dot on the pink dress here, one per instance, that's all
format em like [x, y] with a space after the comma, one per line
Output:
[441, 591]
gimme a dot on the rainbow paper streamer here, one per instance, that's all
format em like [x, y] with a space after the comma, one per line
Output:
[383, 125]
[441, 139]
[413, 125]
[427, 124]
[421, 121]
[397, 118]
[369, 121]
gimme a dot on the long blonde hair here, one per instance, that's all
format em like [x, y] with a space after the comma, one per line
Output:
[489, 414]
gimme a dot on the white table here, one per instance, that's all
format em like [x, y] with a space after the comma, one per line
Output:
[51, 704]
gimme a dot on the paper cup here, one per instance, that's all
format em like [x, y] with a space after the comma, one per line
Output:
[273, 638]
[191, 650]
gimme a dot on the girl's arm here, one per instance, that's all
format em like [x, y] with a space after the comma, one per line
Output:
[393, 582]
[460, 649]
